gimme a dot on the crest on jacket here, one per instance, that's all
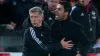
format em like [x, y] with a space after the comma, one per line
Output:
[82, 14]
[93, 14]
[50, 18]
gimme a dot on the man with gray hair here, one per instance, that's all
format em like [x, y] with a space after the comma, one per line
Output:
[49, 13]
[37, 39]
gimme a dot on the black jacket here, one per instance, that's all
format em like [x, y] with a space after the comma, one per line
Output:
[49, 17]
[89, 20]
[71, 31]
[32, 48]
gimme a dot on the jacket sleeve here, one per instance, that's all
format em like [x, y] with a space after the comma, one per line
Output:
[75, 13]
[84, 44]
[97, 25]
[54, 47]
[82, 37]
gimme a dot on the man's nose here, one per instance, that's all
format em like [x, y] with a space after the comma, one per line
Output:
[56, 10]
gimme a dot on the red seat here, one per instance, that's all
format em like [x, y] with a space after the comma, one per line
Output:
[92, 54]
[4, 54]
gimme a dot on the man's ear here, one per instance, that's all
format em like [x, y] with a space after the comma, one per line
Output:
[66, 13]
[42, 17]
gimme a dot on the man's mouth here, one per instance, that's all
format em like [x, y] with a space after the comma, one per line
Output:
[82, 2]
[56, 14]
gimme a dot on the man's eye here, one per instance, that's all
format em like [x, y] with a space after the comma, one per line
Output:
[59, 9]
[35, 16]
[31, 16]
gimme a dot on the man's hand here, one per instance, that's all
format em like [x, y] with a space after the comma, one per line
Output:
[66, 44]
[11, 26]
[98, 41]
[78, 53]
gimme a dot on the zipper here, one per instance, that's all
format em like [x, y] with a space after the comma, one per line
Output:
[90, 23]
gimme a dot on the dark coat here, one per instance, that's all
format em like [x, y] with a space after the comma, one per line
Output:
[49, 17]
[70, 30]
[88, 19]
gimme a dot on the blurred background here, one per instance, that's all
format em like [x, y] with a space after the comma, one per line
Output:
[12, 15]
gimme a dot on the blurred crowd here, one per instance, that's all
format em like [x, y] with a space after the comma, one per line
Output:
[15, 13]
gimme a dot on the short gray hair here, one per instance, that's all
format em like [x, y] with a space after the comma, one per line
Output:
[36, 9]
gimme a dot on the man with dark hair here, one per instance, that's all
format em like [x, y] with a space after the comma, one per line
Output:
[65, 27]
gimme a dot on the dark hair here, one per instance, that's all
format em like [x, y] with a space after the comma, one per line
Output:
[67, 6]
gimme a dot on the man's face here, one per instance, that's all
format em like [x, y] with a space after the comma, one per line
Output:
[59, 12]
[52, 4]
[84, 2]
[35, 19]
